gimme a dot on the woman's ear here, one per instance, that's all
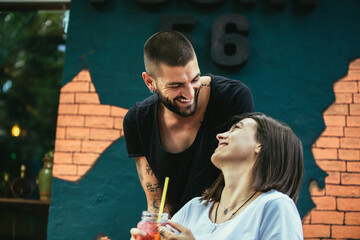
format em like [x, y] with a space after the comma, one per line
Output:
[258, 148]
[149, 81]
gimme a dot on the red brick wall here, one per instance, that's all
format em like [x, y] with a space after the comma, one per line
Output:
[337, 152]
[85, 128]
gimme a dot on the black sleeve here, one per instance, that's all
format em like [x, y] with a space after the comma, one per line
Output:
[234, 97]
[131, 132]
[241, 99]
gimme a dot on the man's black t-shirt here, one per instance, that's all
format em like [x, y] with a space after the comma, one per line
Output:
[191, 170]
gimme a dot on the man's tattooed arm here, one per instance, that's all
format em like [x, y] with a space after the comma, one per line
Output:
[148, 170]
[150, 184]
[138, 168]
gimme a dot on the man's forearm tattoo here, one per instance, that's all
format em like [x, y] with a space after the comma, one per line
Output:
[156, 203]
[148, 170]
[152, 187]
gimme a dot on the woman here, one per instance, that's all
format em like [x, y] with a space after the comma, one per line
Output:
[254, 198]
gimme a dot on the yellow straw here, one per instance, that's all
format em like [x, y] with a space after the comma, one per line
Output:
[162, 204]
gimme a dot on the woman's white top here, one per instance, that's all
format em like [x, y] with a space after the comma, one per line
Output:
[272, 215]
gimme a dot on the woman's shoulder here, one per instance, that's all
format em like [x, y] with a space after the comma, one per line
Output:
[192, 209]
[194, 205]
[273, 195]
[275, 201]
[280, 218]
[197, 202]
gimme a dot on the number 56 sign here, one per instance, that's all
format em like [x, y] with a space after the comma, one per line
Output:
[229, 45]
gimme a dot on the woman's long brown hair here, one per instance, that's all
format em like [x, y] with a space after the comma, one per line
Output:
[279, 165]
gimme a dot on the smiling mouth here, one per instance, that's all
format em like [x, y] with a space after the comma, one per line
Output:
[221, 145]
[183, 100]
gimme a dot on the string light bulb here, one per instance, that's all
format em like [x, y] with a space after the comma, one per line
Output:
[15, 131]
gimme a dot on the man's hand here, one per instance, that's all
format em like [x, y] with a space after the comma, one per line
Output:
[166, 234]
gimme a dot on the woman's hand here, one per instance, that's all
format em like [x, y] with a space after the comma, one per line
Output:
[136, 232]
[166, 234]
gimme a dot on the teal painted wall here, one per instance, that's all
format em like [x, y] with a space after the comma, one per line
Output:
[295, 56]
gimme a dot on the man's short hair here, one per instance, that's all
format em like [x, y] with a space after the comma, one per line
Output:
[167, 47]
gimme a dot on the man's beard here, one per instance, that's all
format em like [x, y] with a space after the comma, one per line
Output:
[171, 105]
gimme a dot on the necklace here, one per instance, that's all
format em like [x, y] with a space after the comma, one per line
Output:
[226, 210]
[217, 207]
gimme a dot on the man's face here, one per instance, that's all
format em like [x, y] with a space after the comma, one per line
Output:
[178, 88]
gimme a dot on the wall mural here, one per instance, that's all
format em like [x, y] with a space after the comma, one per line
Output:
[337, 151]
[85, 128]
[288, 52]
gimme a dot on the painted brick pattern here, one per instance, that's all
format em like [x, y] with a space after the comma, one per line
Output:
[85, 128]
[337, 151]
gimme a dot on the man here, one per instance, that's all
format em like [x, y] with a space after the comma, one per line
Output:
[173, 132]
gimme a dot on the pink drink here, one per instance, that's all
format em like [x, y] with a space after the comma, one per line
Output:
[150, 225]
[151, 229]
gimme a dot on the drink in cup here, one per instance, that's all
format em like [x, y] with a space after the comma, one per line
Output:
[149, 223]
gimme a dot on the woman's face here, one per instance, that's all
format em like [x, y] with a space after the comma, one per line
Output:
[237, 144]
